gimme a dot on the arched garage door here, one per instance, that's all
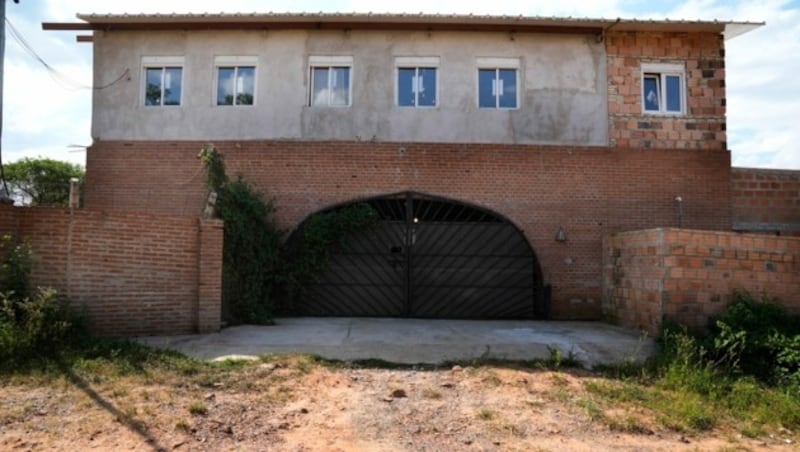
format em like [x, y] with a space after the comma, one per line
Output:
[428, 257]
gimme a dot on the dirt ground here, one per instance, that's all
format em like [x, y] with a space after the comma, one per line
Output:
[303, 406]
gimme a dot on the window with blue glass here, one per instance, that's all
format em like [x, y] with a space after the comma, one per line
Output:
[330, 86]
[663, 91]
[163, 86]
[236, 85]
[497, 88]
[416, 87]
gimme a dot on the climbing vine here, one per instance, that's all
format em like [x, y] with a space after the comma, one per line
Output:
[251, 253]
[256, 262]
[322, 233]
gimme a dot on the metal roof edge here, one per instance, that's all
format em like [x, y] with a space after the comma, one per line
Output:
[729, 29]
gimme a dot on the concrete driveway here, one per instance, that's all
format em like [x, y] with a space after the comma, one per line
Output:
[415, 341]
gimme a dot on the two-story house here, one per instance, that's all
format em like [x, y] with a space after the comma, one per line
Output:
[497, 150]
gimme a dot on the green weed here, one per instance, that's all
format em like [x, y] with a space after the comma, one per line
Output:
[198, 408]
[486, 414]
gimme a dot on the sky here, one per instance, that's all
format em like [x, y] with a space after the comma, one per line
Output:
[48, 116]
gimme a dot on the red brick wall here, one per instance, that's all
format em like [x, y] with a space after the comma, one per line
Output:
[688, 276]
[135, 273]
[703, 57]
[766, 200]
[588, 191]
[209, 279]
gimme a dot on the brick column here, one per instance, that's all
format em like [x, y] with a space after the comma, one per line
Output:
[209, 293]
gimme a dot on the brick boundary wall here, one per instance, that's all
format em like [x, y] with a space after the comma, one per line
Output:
[689, 276]
[588, 191]
[766, 200]
[135, 273]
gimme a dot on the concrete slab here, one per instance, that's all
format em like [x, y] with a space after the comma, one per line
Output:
[414, 341]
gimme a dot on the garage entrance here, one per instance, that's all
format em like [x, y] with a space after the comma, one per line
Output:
[429, 257]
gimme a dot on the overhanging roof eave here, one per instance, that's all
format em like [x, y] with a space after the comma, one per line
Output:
[393, 22]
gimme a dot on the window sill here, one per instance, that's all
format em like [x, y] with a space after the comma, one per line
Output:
[664, 113]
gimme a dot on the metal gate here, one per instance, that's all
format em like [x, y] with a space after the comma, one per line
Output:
[428, 257]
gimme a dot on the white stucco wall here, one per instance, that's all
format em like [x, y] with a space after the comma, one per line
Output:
[562, 79]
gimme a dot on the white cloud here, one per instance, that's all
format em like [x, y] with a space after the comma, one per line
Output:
[762, 66]
[40, 116]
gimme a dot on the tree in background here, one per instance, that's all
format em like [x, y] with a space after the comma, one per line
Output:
[42, 181]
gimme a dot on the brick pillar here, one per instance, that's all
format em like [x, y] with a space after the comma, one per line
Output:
[209, 293]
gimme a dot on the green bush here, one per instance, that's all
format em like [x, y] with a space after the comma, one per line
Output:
[15, 267]
[32, 326]
[753, 337]
[756, 336]
[36, 326]
[749, 361]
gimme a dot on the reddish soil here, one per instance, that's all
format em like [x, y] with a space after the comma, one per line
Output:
[302, 406]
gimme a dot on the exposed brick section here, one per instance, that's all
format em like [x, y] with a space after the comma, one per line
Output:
[209, 310]
[134, 273]
[702, 55]
[766, 200]
[688, 276]
[588, 191]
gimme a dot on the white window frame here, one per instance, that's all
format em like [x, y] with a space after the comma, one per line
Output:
[161, 62]
[236, 62]
[661, 71]
[497, 64]
[329, 62]
[415, 63]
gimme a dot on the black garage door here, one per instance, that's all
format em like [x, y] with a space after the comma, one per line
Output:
[428, 257]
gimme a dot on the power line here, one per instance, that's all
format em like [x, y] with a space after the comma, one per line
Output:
[5, 195]
[61, 79]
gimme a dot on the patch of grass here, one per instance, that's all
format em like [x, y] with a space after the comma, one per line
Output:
[16, 413]
[198, 408]
[430, 393]
[491, 378]
[119, 392]
[592, 409]
[535, 404]
[750, 431]
[486, 414]
[617, 391]
[688, 414]
[183, 425]
[230, 364]
[677, 410]
[629, 370]
[304, 365]
[516, 430]
[627, 424]
[116, 358]
[559, 380]
[570, 361]
[376, 364]
[280, 393]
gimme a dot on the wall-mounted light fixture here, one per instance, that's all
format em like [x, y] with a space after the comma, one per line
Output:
[561, 236]
[679, 201]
